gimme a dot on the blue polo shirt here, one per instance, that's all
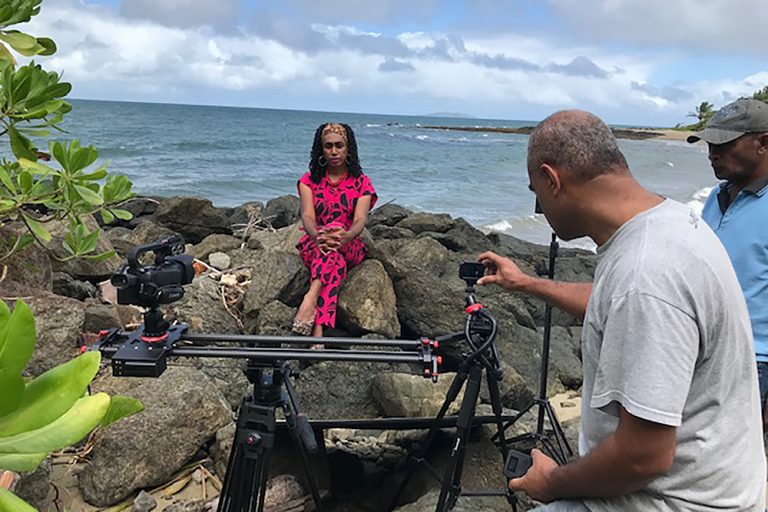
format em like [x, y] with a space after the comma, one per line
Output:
[742, 226]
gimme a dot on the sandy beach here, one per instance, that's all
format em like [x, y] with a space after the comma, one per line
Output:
[621, 133]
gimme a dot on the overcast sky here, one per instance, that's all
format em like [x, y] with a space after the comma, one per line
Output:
[644, 62]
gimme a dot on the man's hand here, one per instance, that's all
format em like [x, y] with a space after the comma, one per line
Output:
[535, 482]
[502, 271]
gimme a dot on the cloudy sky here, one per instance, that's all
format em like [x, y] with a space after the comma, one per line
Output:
[633, 62]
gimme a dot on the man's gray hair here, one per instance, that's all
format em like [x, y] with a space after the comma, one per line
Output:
[579, 142]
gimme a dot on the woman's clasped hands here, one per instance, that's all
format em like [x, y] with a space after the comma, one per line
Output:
[332, 237]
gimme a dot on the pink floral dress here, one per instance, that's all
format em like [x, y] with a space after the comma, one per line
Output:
[334, 204]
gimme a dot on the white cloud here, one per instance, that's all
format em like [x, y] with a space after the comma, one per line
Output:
[107, 56]
[182, 13]
[713, 25]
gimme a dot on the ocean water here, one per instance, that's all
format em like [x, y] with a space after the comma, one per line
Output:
[233, 155]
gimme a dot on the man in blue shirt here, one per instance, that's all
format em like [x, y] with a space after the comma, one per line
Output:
[737, 209]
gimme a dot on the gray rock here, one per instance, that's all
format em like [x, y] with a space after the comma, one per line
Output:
[186, 506]
[367, 301]
[35, 487]
[342, 389]
[144, 502]
[564, 361]
[274, 275]
[382, 231]
[282, 211]
[181, 411]
[203, 309]
[193, 217]
[68, 286]
[214, 243]
[29, 271]
[463, 237]
[59, 322]
[429, 306]
[245, 213]
[420, 222]
[274, 319]
[122, 239]
[100, 316]
[219, 260]
[407, 395]
[147, 232]
[139, 206]
[284, 239]
[388, 215]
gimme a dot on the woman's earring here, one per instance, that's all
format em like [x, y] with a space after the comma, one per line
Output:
[322, 162]
[348, 160]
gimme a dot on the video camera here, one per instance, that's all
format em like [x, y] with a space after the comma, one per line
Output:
[161, 283]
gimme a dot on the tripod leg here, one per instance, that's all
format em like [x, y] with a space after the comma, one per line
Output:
[290, 409]
[246, 479]
[451, 487]
[453, 392]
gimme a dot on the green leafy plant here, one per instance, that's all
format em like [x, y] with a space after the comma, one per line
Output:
[32, 194]
[51, 411]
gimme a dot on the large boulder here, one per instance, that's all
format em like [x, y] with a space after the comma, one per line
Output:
[421, 222]
[59, 323]
[214, 243]
[284, 239]
[182, 410]
[274, 275]
[388, 215]
[408, 395]
[147, 232]
[203, 308]
[282, 211]
[194, 217]
[27, 272]
[367, 301]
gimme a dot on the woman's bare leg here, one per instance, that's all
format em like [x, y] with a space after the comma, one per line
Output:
[306, 312]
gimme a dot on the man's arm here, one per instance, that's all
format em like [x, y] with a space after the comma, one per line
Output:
[624, 462]
[570, 297]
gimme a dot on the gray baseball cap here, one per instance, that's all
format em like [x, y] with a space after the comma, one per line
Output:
[734, 120]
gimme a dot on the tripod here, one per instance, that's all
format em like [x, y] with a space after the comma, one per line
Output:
[556, 447]
[480, 332]
[247, 470]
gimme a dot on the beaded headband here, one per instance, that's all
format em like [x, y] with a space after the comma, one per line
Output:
[337, 129]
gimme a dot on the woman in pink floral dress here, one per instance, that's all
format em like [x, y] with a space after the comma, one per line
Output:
[335, 199]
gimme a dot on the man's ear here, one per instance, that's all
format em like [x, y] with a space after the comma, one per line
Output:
[553, 178]
[762, 140]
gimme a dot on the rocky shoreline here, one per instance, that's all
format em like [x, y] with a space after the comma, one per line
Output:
[620, 133]
[407, 288]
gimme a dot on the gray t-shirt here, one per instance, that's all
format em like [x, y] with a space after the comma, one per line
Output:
[667, 336]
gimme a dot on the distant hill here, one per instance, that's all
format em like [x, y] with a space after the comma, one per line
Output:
[450, 114]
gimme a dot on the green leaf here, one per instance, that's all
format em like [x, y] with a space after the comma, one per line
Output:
[122, 214]
[35, 167]
[9, 502]
[120, 407]
[89, 195]
[18, 40]
[82, 158]
[6, 55]
[5, 179]
[17, 338]
[37, 228]
[58, 152]
[20, 145]
[107, 216]
[99, 257]
[48, 45]
[48, 396]
[17, 342]
[21, 463]
[72, 426]
[25, 181]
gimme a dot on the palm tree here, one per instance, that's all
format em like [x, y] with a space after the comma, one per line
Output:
[703, 112]
[761, 95]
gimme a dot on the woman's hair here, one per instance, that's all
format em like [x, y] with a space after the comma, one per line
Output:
[316, 170]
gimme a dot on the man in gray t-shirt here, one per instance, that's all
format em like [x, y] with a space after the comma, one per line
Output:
[670, 407]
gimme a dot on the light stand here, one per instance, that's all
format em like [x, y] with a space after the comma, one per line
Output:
[557, 445]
